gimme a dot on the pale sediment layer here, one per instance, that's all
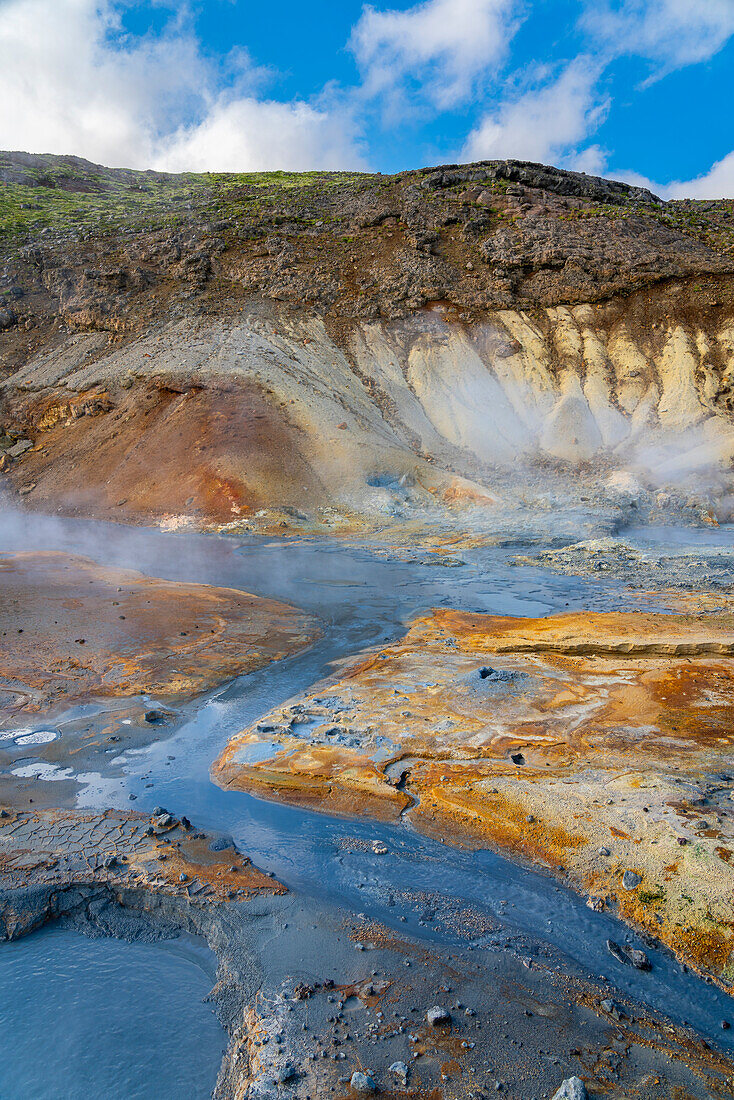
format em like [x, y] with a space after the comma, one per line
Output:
[596, 744]
[73, 630]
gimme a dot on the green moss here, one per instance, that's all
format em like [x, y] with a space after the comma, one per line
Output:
[651, 897]
[65, 195]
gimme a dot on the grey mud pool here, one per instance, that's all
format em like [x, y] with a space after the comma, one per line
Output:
[364, 597]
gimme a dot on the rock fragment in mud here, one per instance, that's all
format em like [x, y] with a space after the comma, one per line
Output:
[400, 1070]
[221, 843]
[633, 956]
[362, 1082]
[573, 1088]
[639, 959]
[438, 1016]
[631, 880]
[616, 951]
[612, 1008]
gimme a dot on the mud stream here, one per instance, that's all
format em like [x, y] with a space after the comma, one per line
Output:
[364, 598]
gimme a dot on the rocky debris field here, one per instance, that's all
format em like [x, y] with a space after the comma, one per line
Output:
[98, 246]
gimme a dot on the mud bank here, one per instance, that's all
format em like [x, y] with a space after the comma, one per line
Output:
[310, 996]
[595, 744]
[540, 1016]
[73, 630]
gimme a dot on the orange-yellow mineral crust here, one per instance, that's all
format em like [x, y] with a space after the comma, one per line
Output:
[591, 743]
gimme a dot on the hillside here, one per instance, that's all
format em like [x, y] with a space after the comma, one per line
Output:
[329, 349]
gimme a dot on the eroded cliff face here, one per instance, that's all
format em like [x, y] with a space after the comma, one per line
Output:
[217, 419]
[332, 349]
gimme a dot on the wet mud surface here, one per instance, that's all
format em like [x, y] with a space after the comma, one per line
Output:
[72, 629]
[330, 956]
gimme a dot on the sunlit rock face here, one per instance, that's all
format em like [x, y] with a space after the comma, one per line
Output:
[266, 417]
[595, 744]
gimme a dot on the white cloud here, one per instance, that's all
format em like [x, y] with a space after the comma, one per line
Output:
[674, 32]
[443, 45]
[717, 183]
[547, 123]
[71, 82]
[261, 135]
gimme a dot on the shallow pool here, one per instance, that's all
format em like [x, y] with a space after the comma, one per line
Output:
[85, 1018]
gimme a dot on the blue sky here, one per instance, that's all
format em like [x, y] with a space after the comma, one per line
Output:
[639, 89]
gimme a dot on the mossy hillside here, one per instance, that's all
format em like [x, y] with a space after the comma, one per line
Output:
[73, 198]
[68, 196]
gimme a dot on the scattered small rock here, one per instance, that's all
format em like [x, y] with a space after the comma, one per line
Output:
[362, 1082]
[639, 959]
[221, 843]
[612, 1008]
[438, 1016]
[400, 1070]
[631, 880]
[615, 950]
